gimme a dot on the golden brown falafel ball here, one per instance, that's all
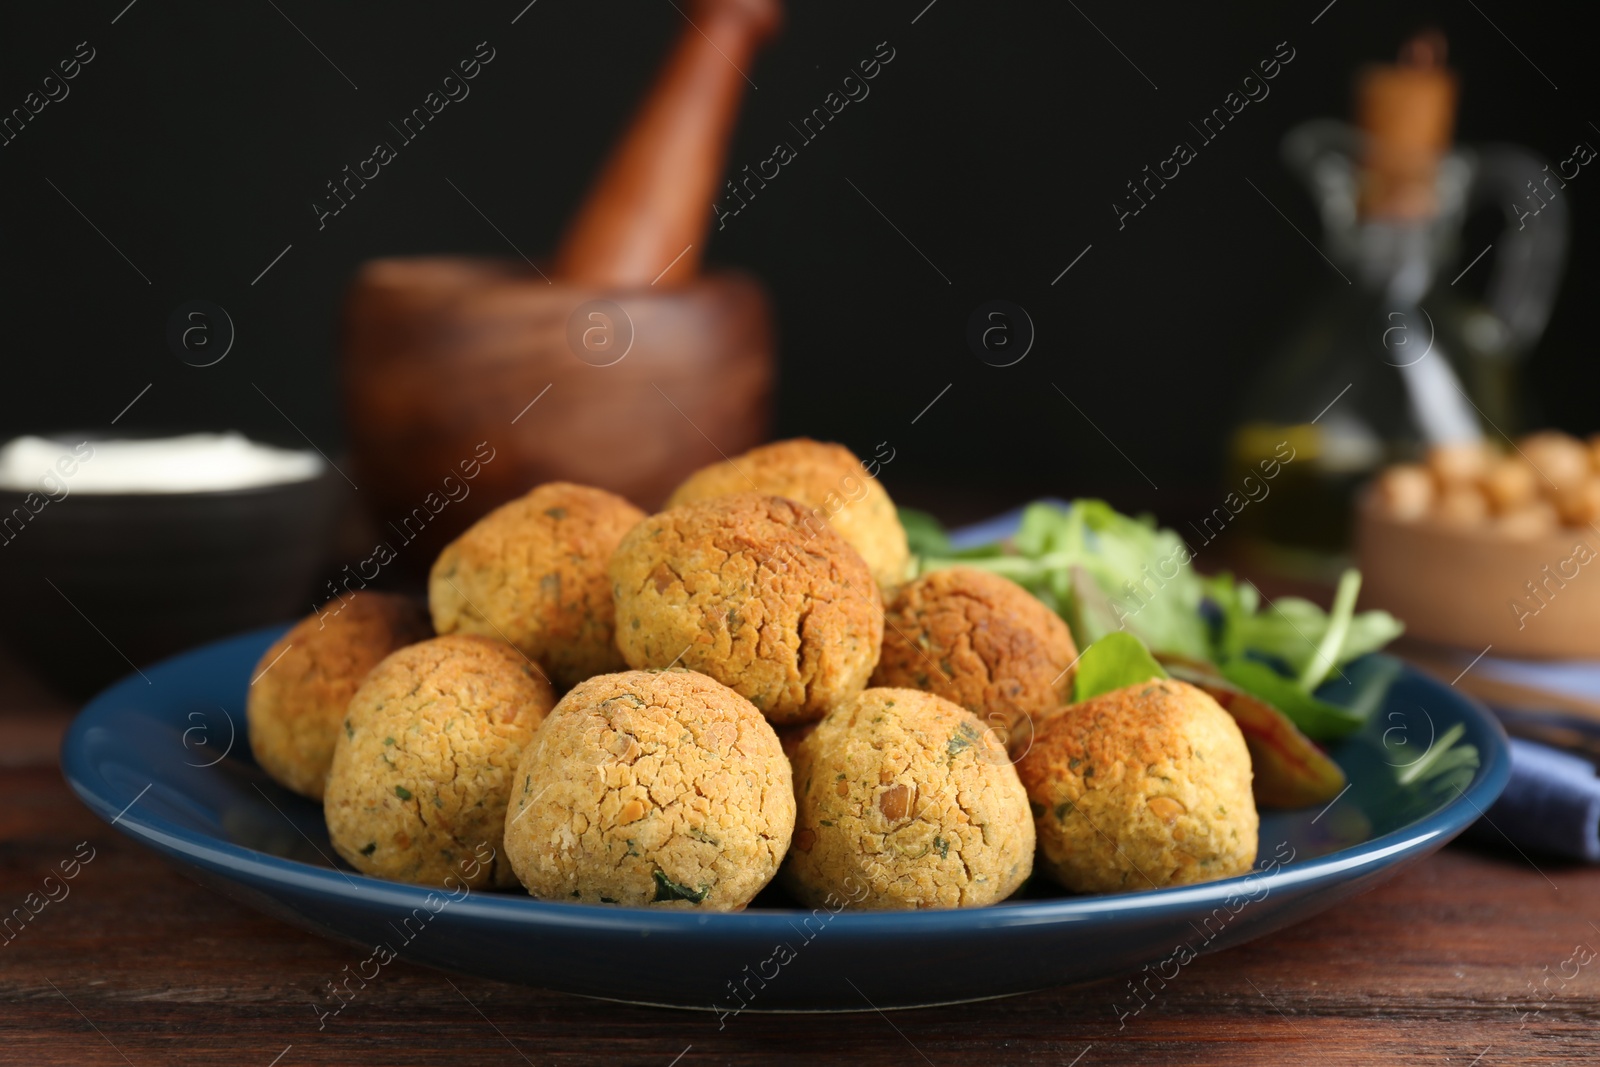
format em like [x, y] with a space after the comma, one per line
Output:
[661, 788]
[533, 572]
[830, 481]
[1142, 788]
[981, 641]
[423, 768]
[305, 681]
[906, 801]
[739, 588]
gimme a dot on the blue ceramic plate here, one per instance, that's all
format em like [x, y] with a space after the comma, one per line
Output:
[166, 761]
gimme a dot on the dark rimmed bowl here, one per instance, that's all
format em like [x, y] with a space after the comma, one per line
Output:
[96, 584]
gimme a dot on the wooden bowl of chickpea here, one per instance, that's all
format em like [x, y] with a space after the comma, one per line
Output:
[1482, 546]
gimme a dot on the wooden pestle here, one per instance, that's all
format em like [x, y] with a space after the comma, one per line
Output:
[645, 218]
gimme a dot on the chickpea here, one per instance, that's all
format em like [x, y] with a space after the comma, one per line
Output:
[1579, 503]
[1460, 461]
[1559, 458]
[1509, 483]
[1405, 492]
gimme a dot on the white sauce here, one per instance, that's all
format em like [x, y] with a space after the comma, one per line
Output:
[192, 463]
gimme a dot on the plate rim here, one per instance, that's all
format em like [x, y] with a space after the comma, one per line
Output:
[260, 870]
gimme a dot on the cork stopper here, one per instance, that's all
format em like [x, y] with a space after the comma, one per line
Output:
[1407, 110]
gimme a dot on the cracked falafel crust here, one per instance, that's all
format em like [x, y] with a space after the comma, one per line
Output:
[305, 681]
[1142, 788]
[833, 485]
[423, 768]
[741, 589]
[651, 789]
[912, 797]
[533, 573]
[982, 641]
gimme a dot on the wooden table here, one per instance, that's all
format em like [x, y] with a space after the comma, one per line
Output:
[1457, 961]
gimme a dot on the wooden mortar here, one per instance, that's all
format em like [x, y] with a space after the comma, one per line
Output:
[638, 368]
[1534, 598]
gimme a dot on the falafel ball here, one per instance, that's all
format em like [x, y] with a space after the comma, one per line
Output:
[305, 681]
[533, 573]
[743, 588]
[423, 769]
[984, 642]
[1142, 788]
[830, 481]
[906, 801]
[651, 788]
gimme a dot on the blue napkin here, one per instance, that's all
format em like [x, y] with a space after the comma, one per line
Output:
[1576, 678]
[1551, 804]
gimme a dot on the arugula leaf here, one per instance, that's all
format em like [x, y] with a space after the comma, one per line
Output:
[1089, 612]
[1446, 768]
[1146, 573]
[924, 533]
[1116, 661]
[1236, 603]
[1043, 527]
[1327, 650]
[1292, 630]
[1316, 718]
[1142, 574]
[1445, 765]
[1360, 689]
[1369, 631]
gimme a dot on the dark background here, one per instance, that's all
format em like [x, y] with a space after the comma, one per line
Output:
[996, 141]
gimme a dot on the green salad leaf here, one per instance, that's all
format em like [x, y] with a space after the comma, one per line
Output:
[1116, 661]
[1295, 632]
[1107, 573]
[1289, 672]
[1315, 718]
[1103, 571]
[1361, 685]
[924, 533]
[1443, 771]
[1446, 765]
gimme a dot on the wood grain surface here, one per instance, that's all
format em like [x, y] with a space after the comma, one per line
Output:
[1473, 957]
